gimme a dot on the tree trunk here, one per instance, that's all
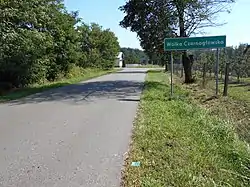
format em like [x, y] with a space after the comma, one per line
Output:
[166, 67]
[166, 60]
[187, 65]
[238, 78]
[186, 61]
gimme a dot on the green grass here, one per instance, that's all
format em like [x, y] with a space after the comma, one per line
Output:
[235, 107]
[238, 91]
[180, 144]
[87, 74]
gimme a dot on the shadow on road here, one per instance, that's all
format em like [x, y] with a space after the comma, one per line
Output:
[129, 72]
[82, 92]
[132, 100]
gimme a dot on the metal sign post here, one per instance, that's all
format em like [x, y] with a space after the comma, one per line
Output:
[217, 71]
[181, 65]
[172, 68]
[192, 43]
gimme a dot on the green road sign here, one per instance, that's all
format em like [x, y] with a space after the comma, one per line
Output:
[172, 44]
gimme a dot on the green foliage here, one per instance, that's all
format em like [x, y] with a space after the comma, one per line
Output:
[98, 47]
[180, 144]
[40, 42]
[155, 20]
[238, 59]
[240, 62]
[150, 20]
[133, 56]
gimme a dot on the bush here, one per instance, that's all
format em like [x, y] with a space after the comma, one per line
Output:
[40, 42]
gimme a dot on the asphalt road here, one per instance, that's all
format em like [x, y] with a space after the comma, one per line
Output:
[71, 136]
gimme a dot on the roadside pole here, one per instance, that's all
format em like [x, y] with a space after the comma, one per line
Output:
[193, 43]
[226, 79]
[172, 67]
[181, 65]
[204, 75]
[217, 71]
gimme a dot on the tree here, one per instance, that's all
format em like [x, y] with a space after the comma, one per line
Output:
[109, 48]
[133, 56]
[238, 58]
[99, 47]
[240, 61]
[155, 20]
[40, 41]
[247, 58]
[24, 41]
[143, 17]
[64, 51]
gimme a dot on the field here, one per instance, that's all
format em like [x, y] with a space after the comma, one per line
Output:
[191, 140]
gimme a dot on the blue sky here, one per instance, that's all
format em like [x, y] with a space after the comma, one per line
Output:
[106, 13]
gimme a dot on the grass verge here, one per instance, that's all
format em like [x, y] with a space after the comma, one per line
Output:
[19, 93]
[237, 90]
[180, 144]
[235, 107]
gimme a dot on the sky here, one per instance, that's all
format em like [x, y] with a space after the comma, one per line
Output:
[106, 14]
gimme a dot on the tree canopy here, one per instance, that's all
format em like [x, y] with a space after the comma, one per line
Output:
[155, 20]
[41, 41]
[238, 58]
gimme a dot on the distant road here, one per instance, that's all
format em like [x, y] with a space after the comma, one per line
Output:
[132, 65]
[71, 136]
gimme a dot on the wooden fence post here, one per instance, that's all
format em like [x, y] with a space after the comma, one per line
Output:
[204, 76]
[226, 81]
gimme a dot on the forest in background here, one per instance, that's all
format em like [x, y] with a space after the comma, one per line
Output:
[133, 56]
